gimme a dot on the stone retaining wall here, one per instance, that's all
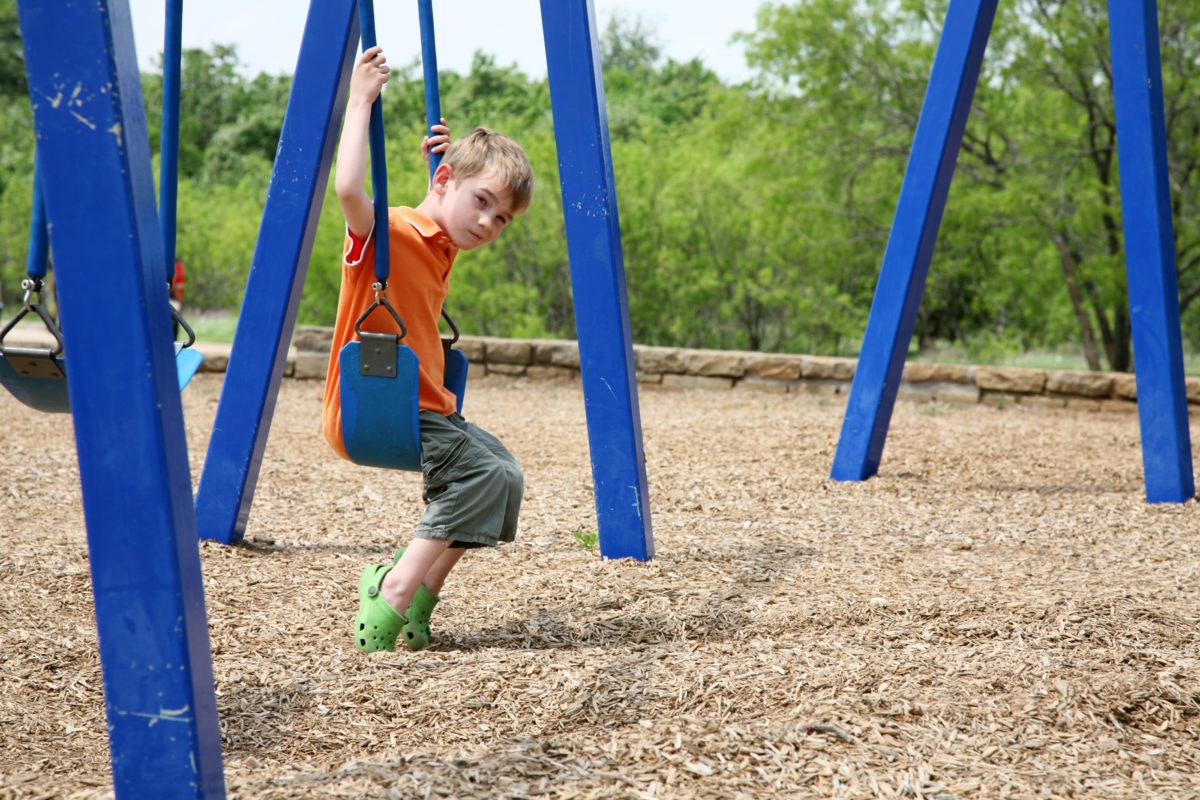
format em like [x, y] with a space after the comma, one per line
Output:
[673, 367]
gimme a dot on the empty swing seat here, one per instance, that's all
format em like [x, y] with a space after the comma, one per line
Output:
[187, 363]
[39, 379]
[35, 377]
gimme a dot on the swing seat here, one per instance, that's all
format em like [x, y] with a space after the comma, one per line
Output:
[456, 374]
[380, 400]
[187, 362]
[379, 396]
[35, 377]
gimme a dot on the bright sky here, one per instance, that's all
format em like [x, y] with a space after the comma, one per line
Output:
[267, 32]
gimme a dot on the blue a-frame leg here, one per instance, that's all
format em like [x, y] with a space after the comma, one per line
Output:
[94, 152]
[277, 272]
[597, 279]
[1145, 195]
[1150, 251]
[914, 231]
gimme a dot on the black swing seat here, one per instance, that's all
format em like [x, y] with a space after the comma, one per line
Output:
[379, 394]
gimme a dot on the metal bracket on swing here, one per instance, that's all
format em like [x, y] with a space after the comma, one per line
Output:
[34, 362]
[377, 356]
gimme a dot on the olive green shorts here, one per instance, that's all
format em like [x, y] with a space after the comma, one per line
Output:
[473, 485]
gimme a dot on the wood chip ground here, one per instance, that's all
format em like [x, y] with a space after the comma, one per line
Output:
[998, 614]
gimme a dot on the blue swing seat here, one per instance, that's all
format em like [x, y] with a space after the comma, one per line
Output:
[187, 363]
[456, 374]
[380, 400]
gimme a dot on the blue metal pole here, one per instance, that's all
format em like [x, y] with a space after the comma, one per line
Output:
[914, 231]
[94, 149]
[168, 168]
[433, 102]
[278, 269]
[1150, 250]
[598, 279]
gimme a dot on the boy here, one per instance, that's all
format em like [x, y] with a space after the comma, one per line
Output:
[472, 484]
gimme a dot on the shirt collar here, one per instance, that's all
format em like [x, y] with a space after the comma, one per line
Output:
[429, 230]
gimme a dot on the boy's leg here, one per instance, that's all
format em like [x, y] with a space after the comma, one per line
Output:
[513, 480]
[436, 576]
[384, 589]
[416, 631]
[401, 582]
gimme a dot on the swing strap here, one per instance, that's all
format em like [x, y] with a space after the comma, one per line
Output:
[366, 25]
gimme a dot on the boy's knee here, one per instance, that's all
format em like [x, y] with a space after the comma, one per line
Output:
[505, 477]
[516, 479]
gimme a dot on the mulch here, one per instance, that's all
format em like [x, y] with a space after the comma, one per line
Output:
[998, 614]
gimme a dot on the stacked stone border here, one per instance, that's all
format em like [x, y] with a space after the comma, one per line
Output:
[683, 368]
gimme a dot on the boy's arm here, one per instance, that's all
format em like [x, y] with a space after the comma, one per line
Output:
[371, 72]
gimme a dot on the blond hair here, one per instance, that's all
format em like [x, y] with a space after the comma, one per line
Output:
[484, 150]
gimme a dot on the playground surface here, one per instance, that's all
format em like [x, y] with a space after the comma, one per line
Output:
[999, 613]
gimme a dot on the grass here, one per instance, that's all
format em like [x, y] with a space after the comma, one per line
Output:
[587, 539]
[1034, 359]
[212, 326]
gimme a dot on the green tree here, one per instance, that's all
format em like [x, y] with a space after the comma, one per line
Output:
[1036, 186]
[12, 55]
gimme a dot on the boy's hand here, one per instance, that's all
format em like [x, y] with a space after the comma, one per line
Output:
[436, 141]
[371, 72]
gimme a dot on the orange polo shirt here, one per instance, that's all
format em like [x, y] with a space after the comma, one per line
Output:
[421, 256]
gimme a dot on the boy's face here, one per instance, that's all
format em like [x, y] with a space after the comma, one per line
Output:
[476, 210]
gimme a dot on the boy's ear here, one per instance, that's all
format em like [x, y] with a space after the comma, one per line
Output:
[441, 178]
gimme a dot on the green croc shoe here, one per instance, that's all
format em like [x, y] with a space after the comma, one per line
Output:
[377, 624]
[416, 630]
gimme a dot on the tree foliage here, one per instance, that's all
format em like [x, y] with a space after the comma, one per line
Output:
[752, 216]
